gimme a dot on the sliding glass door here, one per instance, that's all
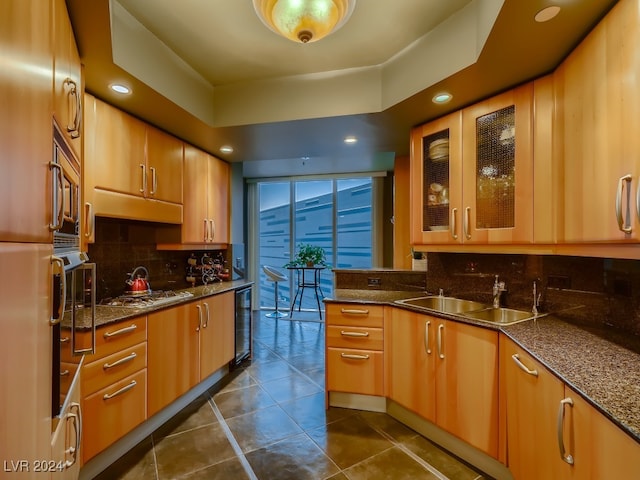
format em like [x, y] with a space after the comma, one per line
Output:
[335, 214]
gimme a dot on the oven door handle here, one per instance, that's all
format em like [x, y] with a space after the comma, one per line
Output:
[58, 207]
[58, 269]
[92, 348]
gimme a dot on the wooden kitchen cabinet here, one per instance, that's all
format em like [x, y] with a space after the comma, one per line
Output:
[26, 133]
[113, 382]
[172, 361]
[206, 199]
[465, 188]
[446, 372]
[355, 349]
[217, 335]
[598, 123]
[66, 441]
[67, 75]
[134, 170]
[534, 399]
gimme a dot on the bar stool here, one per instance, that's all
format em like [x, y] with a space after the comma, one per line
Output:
[275, 276]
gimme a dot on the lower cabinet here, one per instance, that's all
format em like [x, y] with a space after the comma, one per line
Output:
[552, 432]
[114, 384]
[66, 441]
[446, 372]
[186, 344]
[354, 353]
[173, 365]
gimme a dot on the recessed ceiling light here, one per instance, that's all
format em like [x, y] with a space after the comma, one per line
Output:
[350, 140]
[442, 97]
[547, 14]
[226, 149]
[119, 88]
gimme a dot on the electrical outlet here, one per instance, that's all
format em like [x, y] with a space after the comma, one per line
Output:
[374, 282]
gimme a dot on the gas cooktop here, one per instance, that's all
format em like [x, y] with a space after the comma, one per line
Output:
[154, 299]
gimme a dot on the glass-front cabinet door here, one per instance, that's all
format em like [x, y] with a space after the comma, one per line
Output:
[472, 174]
[436, 187]
[498, 169]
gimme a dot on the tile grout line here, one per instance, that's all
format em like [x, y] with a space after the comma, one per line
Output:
[232, 440]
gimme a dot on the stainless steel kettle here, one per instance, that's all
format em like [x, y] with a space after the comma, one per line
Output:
[138, 283]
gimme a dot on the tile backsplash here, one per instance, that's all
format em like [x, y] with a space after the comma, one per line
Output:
[123, 245]
[607, 291]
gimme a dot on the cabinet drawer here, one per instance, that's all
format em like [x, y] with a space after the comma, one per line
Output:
[112, 412]
[105, 371]
[355, 314]
[355, 371]
[344, 336]
[110, 339]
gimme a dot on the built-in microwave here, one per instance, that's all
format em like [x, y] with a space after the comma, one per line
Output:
[74, 278]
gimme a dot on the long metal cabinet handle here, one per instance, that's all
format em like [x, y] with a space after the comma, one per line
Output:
[72, 450]
[206, 230]
[126, 388]
[122, 331]
[427, 324]
[353, 311]
[353, 356]
[454, 223]
[58, 269]
[89, 220]
[354, 334]
[440, 330]
[206, 307]
[621, 222]
[199, 318]
[74, 127]
[143, 181]
[78, 430]
[126, 359]
[213, 229]
[467, 223]
[154, 180]
[566, 457]
[58, 207]
[522, 366]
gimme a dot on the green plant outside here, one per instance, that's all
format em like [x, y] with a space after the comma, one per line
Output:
[308, 255]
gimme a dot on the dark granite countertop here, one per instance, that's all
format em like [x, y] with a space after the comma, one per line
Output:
[106, 314]
[601, 366]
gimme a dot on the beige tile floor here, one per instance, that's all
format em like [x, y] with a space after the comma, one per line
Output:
[268, 421]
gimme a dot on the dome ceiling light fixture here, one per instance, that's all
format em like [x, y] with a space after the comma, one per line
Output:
[304, 21]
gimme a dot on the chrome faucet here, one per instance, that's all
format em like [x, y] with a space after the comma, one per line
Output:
[536, 298]
[498, 288]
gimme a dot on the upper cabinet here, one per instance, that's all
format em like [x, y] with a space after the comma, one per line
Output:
[598, 122]
[67, 79]
[472, 174]
[26, 133]
[133, 170]
[206, 199]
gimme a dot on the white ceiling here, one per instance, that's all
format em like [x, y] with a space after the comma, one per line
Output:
[210, 72]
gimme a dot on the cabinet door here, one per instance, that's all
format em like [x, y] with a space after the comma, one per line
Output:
[218, 200]
[88, 182]
[172, 354]
[164, 166]
[66, 446]
[412, 361]
[532, 399]
[355, 371]
[119, 155]
[114, 411]
[436, 189]
[598, 126]
[195, 226]
[25, 124]
[217, 333]
[467, 383]
[599, 448]
[497, 178]
[67, 108]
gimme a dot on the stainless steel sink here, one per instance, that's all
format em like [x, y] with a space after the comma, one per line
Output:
[502, 316]
[443, 304]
